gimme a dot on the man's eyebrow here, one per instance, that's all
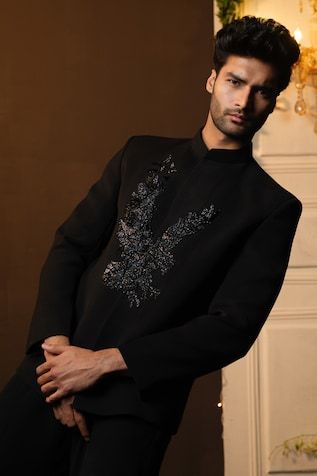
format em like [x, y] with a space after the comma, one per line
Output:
[268, 86]
[236, 76]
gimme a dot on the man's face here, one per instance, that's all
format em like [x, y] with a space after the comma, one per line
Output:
[243, 94]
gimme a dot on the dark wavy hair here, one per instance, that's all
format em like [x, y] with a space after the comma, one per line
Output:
[260, 38]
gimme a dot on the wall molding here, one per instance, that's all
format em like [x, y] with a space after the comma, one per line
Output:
[301, 276]
[297, 164]
[254, 399]
[294, 313]
[309, 202]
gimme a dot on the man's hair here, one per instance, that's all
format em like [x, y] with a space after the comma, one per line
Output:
[260, 38]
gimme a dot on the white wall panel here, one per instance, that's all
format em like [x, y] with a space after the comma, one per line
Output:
[288, 379]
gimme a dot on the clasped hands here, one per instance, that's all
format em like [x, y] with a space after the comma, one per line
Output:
[69, 369]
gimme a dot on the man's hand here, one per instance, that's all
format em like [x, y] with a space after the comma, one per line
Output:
[69, 416]
[72, 369]
[63, 409]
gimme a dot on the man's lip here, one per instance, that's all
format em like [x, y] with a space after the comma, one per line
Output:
[238, 117]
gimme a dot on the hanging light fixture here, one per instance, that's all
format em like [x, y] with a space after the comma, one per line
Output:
[305, 71]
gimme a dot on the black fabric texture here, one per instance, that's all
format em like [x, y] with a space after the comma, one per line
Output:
[214, 296]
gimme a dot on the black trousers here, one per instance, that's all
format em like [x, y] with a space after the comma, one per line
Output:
[33, 442]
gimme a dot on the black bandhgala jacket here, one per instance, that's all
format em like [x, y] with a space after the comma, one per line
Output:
[176, 257]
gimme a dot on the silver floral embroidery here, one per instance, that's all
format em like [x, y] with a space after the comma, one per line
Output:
[141, 253]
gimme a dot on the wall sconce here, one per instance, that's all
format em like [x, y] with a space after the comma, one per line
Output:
[305, 71]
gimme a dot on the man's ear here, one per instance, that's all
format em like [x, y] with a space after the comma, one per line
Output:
[211, 81]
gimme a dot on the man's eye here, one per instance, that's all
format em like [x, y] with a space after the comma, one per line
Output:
[265, 93]
[234, 82]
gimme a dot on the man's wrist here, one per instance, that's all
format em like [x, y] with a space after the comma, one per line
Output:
[110, 360]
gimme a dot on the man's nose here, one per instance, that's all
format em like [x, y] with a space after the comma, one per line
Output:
[244, 99]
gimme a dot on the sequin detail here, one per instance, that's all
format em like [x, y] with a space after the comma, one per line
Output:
[141, 253]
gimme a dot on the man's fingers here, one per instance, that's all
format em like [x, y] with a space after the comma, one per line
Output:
[43, 368]
[53, 389]
[64, 414]
[82, 425]
[67, 415]
[63, 411]
[45, 378]
[60, 393]
[49, 388]
[54, 349]
[57, 413]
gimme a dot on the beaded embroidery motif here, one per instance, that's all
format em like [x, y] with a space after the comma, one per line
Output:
[141, 253]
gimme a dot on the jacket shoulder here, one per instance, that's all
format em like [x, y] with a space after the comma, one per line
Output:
[152, 147]
[271, 187]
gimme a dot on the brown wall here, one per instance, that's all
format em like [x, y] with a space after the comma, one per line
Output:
[77, 78]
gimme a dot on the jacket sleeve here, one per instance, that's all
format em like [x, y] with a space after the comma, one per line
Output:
[78, 241]
[235, 315]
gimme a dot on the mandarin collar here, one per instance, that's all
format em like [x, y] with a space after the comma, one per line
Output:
[201, 151]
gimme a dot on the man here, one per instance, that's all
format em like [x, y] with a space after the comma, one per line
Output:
[166, 271]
